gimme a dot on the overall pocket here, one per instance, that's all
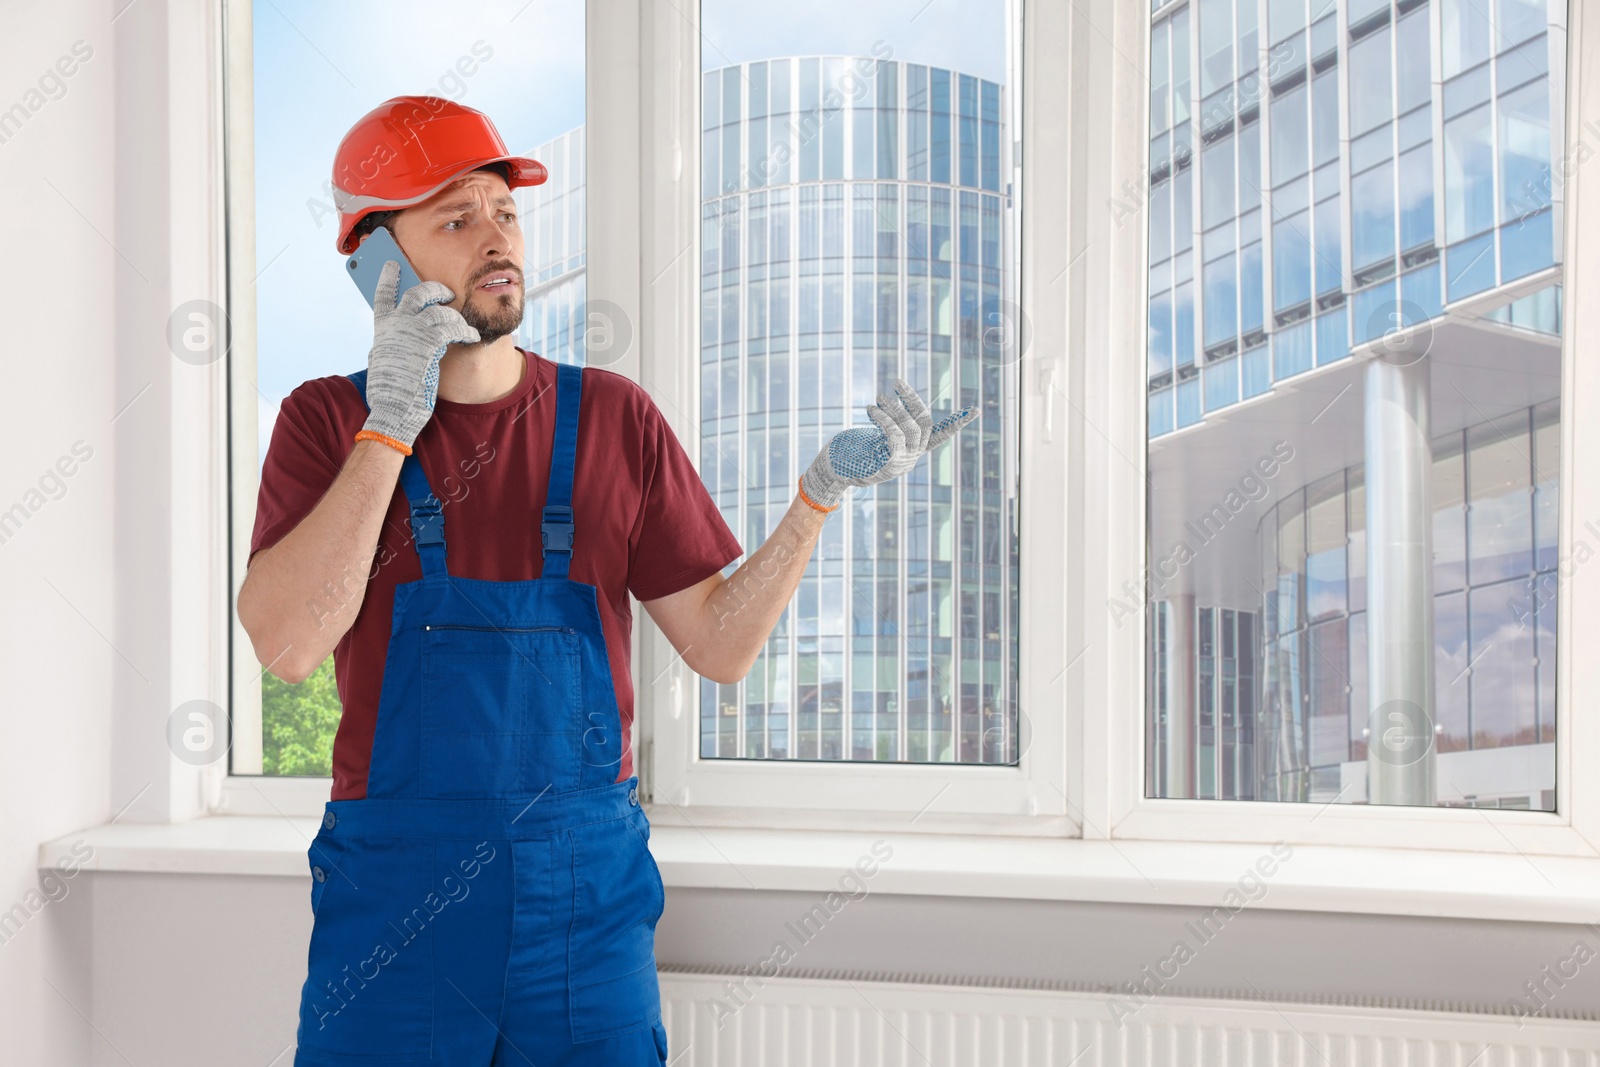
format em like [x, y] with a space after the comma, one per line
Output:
[369, 973]
[616, 899]
[500, 710]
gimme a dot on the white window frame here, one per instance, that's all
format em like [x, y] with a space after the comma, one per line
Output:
[1084, 290]
[1026, 799]
[1083, 286]
[1574, 828]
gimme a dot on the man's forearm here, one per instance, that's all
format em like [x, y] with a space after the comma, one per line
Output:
[743, 610]
[302, 594]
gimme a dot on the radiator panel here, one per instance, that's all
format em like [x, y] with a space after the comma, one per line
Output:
[847, 1022]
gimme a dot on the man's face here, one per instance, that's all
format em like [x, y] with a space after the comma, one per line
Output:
[465, 235]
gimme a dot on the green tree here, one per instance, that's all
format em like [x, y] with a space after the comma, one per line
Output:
[298, 723]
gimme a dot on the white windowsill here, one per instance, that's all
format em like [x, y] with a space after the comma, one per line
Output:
[1558, 889]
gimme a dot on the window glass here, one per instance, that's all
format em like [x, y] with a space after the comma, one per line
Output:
[1413, 61]
[1372, 216]
[902, 642]
[1518, 20]
[1369, 82]
[1216, 183]
[1525, 176]
[1284, 673]
[1221, 316]
[1465, 34]
[1291, 264]
[1290, 136]
[1416, 197]
[309, 87]
[1285, 17]
[1468, 175]
[1216, 45]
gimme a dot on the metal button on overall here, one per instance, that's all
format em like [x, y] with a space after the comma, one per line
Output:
[492, 900]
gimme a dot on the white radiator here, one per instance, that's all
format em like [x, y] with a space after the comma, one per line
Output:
[726, 1020]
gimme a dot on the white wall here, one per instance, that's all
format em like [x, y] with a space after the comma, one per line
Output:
[58, 217]
[101, 241]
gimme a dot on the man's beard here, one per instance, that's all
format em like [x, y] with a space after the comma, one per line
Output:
[492, 314]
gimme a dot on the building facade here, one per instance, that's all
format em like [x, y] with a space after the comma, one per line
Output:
[1354, 398]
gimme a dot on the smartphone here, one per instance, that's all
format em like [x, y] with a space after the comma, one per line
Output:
[366, 264]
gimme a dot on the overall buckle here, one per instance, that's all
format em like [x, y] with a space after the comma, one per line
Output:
[427, 522]
[555, 532]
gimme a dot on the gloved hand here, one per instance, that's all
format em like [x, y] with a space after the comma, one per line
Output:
[408, 342]
[865, 455]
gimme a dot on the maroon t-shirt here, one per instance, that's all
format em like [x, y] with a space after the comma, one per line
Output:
[643, 521]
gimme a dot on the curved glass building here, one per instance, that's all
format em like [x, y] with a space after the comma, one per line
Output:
[856, 227]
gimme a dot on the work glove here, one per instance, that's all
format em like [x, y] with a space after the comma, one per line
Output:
[867, 455]
[409, 339]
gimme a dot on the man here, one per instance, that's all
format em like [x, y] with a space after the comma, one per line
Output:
[461, 525]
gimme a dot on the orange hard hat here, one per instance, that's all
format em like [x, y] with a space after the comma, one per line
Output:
[408, 148]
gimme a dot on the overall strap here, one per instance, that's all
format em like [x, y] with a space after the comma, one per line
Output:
[427, 513]
[555, 531]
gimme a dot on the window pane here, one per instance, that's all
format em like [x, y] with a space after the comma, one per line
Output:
[1466, 34]
[1285, 17]
[1160, 78]
[1500, 511]
[1250, 167]
[1518, 20]
[1181, 87]
[1369, 82]
[1216, 183]
[1309, 555]
[1413, 58]
[1468, 175]
[1416, 197]
[902, 641]
[1291, 267]
[1372, 216]
[1325, 118]
[1216, 45]
[1330, 262]
[1220, 316]
[1289, 136]
[1250, 290]
[1524, 150]
[309, 323]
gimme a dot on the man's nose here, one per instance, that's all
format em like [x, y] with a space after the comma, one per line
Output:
[497, 239]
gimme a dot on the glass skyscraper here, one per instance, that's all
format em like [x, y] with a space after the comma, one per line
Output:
[555, 253]
[1354, 356]
[857, 226]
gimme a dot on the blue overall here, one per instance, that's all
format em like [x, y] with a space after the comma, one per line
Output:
[492, 901]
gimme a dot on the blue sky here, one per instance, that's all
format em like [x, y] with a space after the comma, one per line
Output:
[964, 35]
[316, 76]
